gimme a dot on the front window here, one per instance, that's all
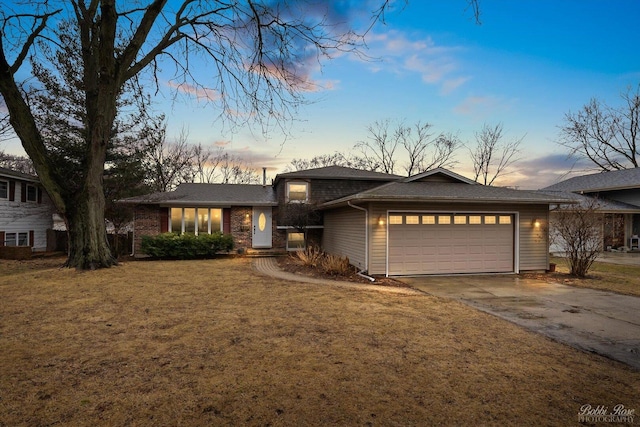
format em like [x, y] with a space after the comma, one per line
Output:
[189, 221]
[195, 220]
[16, 239]
[295, 241]
[297, 191]
[32, 193]
[10, 239]
[4, 190]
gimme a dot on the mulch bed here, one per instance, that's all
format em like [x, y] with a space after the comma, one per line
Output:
[291, 265]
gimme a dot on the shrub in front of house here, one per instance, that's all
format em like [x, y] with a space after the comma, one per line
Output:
[186, 246]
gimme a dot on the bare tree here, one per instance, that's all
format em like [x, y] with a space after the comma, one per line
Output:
[492, 155]
[168, 163]
[5, 127]
[253, 49]
[235, 170]
[424, 149]
[16, 163]
[379, 149]
[577, 229]
[206, 163]
[335, 159]
[607, 136]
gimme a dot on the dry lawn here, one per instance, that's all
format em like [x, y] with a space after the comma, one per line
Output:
[623, 279]
[203, 343]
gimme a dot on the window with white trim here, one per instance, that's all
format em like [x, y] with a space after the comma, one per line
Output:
[16, 239]
[32, 193]
[195, 220]
[4, 189]
[295, 241]
[297, 191]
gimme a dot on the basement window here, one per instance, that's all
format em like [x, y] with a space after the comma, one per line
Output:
[295, 241]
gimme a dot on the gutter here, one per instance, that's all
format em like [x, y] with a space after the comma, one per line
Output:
[366, 236]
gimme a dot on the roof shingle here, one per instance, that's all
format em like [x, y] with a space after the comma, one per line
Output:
[613, 180]
[211, 194]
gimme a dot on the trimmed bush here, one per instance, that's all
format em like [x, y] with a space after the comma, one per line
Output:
[186, 246]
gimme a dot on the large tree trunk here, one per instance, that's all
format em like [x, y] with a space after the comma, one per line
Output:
[88, 244]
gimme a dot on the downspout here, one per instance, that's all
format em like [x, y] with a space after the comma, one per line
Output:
[366, 241]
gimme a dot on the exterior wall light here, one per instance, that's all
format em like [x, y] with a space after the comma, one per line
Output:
[380, 220]
[536, 223]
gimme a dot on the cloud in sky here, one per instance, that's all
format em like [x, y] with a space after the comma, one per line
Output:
[199, 92]
[401, 52]
[479, 107]
[543, 171]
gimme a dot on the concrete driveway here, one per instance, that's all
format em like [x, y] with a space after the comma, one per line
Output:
[602, 322]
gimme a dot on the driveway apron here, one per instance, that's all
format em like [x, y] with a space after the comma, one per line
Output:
[602, 322]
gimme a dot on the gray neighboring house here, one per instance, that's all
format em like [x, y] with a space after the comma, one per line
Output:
[26, 211]
[618, 195]
[436, 222]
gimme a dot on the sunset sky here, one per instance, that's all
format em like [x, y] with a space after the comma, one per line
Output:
[526, 65]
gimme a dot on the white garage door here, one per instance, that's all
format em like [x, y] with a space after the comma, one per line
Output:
[440, 243]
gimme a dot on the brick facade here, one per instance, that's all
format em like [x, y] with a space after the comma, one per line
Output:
[241, 227]
[147, 223]
[149, 218]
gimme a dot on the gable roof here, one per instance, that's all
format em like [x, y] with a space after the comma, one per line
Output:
[338, 172]
[10, 173]
[603, 181]
[210, 195]
[441, 174]
[448, 192]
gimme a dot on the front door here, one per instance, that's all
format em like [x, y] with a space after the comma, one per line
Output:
[261, 227]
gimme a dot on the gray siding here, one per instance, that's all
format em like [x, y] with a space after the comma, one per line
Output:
[533, 242]
[21, 217]
[344, 234]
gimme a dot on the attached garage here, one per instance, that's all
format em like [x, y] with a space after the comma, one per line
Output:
[438, 222]
[445, 243]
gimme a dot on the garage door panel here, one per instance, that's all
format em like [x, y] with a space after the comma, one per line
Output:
[450, 248]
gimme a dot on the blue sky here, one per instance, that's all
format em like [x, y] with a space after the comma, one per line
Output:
[526, 65]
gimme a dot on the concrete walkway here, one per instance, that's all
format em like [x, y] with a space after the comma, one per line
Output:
[602, 322]
[269, 266]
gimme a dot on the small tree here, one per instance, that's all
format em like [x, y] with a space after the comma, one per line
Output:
[578, 230]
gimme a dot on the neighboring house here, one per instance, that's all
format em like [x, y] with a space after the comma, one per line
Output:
[618, 196]
[436, 222]
[26, 212]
